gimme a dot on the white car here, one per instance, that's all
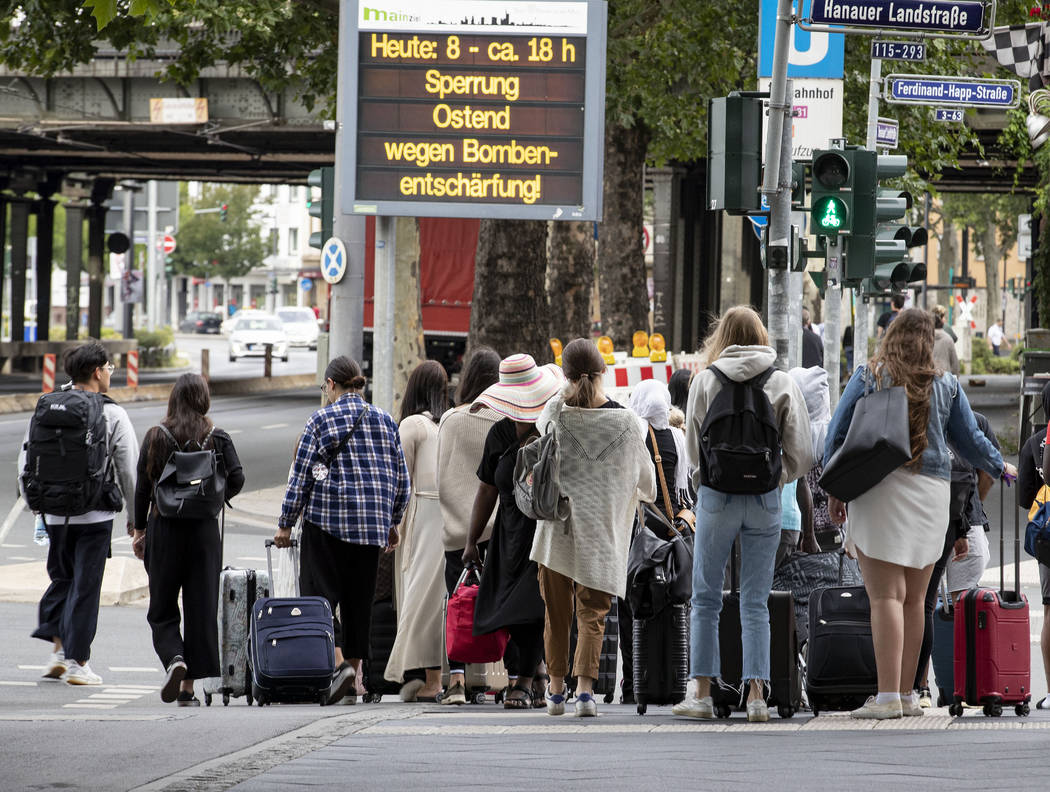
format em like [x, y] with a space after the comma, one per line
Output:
[250, 335]
[227, 324]
[301, 326]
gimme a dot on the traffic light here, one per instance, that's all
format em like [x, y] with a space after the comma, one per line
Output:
[734, 153]
[324, 209]
[169, 265]
[223, 210]
[831, 213]
[798, 185]
[869, 255]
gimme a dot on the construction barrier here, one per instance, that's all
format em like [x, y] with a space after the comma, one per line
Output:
[48, 384]
[133, 368]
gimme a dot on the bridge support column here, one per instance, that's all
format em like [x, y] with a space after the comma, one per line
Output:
[19, 260]
[45, 249]
[74, 261]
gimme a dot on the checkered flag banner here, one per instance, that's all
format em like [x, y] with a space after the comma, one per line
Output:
[1022, 49]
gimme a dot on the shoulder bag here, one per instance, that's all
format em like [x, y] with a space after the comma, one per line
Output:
[685, 515]
[319, 471]
[877, 442]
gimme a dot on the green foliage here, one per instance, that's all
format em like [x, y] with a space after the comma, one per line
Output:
[984, 362]
[210, 248]
[156, 347]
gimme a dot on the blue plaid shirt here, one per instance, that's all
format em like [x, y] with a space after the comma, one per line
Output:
[367, 487]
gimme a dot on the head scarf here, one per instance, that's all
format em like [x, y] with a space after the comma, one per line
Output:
[651, 401]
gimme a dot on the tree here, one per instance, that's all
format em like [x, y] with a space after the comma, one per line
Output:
[570, 279]
[211, 248]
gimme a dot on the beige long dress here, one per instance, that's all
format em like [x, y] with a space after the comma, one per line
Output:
[419, 561]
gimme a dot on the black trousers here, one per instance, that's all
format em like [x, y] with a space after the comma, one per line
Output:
[345, 575]
[528, 641]
[184, 556]
[931, 605]
[76, 561]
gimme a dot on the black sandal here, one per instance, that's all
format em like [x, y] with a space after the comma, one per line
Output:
[540, 683]
[524, 701]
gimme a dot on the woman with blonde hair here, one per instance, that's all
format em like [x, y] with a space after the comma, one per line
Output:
[897, 526]
[738, 356]
[604, 470]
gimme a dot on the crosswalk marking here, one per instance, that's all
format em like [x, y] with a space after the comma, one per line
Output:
[86, 705]
[31, 667]
[134, 669]
[118, 697]
[274, 426]
[18, 684]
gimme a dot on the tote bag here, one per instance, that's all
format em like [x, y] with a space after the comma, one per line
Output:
[877, 443]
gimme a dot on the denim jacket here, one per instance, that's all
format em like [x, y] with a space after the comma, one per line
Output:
[951, 419]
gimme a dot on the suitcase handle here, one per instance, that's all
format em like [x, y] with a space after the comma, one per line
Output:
[472, 568]
[293, 547]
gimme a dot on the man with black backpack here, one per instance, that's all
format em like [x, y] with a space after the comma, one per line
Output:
[77, 469]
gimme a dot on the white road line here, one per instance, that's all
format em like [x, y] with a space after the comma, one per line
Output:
[120, 699]
[5, 544]
[135, 669]
[21, 558]
[250, 558]
[18, 684]
[234, 431]
[274, 426]
[31, 668]
[122, 693]
[89, 706]
[140, 688]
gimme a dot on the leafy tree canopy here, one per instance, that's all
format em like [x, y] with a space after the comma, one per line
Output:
[211, 248]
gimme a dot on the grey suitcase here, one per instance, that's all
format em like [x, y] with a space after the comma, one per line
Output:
[238, 591]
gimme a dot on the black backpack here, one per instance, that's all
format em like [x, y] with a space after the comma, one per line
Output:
[67, 458]
[192, 485]
[740, 439]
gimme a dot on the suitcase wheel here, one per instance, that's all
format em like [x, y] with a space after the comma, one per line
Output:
[609, 697]
[1022, 710]
[785, 710]
[225, 699]
[993, 709]
[479, 697]
[207, 699]
[642, 708]
[722, 711]
[955, 710]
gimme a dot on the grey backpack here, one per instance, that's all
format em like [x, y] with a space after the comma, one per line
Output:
[537, 489]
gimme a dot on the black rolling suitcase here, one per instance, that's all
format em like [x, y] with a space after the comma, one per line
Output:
[605, 684]
[785, 679]
[661, 657]
[840, 656]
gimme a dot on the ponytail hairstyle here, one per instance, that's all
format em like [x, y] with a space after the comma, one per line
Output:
[345, 373]
[583, 366]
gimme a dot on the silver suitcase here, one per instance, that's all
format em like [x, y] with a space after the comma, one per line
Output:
[238, 591]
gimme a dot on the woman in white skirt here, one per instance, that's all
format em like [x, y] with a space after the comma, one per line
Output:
[897, 527]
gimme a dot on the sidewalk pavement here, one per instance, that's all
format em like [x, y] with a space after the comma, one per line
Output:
[125, 581]
[426, 748]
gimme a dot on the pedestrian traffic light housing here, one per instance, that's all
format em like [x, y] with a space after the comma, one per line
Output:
[831, 213]
[798, 185]
[734, 153]
[223, 211]
[866, 256]
[323, 209]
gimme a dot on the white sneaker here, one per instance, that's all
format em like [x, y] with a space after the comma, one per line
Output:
[693, 707]
[871, 709]
[56, 666]
[757, 711]
[911, 705]
[77, 674]
[586, 706]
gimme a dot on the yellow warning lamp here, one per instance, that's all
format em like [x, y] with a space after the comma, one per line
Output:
[556, 349]
[605, 346]
[658, 347]
[641, 344]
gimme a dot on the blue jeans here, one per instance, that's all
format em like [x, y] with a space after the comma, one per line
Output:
[721, 517]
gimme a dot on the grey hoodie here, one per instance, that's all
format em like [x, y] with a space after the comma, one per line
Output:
[740, 363]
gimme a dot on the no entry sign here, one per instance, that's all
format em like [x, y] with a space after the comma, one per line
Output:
[167, 244]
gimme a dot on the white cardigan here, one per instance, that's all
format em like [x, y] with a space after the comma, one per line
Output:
[605, 470]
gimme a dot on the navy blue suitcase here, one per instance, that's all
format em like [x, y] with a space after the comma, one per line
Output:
[943, 654]
[292, 648]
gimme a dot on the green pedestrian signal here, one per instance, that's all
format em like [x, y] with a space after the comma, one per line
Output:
[831, 214]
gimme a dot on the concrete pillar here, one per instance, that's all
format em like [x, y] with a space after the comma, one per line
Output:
[19, 259]
[96, 217]
[45, 248]
[74, 261]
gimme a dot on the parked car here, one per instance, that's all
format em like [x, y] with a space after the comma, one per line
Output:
[201, 322]
[301, 326]
[250, 335]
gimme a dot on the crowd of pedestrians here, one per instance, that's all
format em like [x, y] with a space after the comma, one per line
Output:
[437, 490]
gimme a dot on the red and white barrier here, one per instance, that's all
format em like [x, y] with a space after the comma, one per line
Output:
[133, 368]
[628, 373]
[48, 384]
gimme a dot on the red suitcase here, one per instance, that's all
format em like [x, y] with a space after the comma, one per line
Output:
[993, 641]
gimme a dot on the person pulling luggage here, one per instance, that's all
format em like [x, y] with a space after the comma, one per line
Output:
[350, 483]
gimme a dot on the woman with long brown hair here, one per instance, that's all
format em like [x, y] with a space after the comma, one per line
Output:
[184, 555]
[897, 527]
[737, 353]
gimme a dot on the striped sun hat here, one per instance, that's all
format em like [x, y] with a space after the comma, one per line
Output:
[523, 389]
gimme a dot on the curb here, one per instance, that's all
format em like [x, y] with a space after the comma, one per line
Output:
[26, 402]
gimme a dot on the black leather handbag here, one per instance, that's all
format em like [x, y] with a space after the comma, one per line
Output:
[877, 443]
[659, 564]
